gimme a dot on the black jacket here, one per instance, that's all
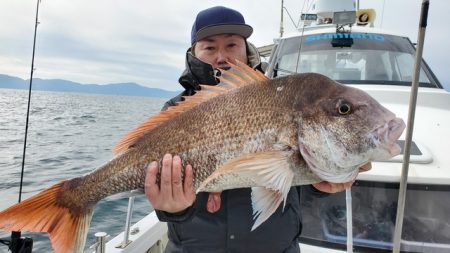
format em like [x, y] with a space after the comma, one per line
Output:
[228, 230]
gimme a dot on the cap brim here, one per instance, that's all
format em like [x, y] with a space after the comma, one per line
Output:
[239, 29]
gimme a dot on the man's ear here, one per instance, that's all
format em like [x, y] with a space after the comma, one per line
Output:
[193, 49]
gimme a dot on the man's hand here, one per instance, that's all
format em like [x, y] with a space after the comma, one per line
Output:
[173, 196]
[328, 187]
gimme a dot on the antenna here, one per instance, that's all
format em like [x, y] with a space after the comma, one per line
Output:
[410, 127]
[281, 21]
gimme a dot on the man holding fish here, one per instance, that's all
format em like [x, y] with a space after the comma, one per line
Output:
[221, 222]
[252, 142]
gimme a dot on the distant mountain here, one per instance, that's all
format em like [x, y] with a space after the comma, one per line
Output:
[125, 89]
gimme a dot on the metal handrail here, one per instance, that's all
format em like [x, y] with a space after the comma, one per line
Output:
[348, 200]
[101, 242]
[126, 235]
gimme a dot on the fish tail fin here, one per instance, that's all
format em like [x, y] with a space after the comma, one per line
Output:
[42, 213]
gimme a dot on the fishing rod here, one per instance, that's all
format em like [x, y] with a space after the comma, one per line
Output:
[19, 244]
[410, 127]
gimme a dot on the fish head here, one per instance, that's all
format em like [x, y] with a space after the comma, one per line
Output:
[343, 129]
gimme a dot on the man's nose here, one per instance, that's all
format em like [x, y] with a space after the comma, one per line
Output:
[222, 57]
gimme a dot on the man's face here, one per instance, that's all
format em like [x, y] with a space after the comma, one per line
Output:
[218, 49]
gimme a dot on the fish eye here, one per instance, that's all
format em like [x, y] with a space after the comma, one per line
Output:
[344, 108]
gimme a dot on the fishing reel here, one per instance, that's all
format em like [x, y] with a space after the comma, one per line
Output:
[18, 244]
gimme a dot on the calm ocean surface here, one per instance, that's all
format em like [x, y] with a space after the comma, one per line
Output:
[69, 134]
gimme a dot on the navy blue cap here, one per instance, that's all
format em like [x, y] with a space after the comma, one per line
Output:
[219, 20]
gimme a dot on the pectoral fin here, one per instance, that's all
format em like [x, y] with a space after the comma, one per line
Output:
[270, 171]
[264, 203]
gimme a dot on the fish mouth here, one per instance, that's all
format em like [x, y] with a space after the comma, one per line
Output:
[386, 136]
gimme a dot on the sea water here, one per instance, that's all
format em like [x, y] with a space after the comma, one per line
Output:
[69, 134]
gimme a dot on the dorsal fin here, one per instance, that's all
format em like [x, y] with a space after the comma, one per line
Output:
[237, 76]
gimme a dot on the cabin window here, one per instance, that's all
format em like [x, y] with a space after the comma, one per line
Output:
[426, 225]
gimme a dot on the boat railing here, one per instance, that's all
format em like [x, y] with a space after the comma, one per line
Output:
[131, 239]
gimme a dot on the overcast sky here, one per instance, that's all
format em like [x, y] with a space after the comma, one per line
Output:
[144, 41]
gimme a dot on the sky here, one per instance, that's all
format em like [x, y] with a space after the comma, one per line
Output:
[144, 41]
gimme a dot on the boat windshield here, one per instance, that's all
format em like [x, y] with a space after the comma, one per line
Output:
[352, 58]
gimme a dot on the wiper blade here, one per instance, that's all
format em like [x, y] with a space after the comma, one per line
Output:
[285, 71]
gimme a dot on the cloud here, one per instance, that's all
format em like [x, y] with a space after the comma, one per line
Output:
[143, 41]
